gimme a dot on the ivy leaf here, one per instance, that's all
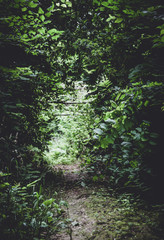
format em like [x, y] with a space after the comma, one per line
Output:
[55, 37]
[32, 5]
[24, 9]
[51, 8]
[162, 39]
[122, 96]
[64, 5]
[162, 32]
[105, 4]
[118, 20]
[25, 36]
[110, 18]
[32, 32]
[48, 14]
[96, 2]
[113, 7]
[128, 11]
[52, 31]
[69, 4]
[41, 30]
[42, 17]
[146, 103]
[40, 10]
[102, 9]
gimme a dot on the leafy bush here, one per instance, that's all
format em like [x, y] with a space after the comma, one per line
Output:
[25, 213]
[125, 135]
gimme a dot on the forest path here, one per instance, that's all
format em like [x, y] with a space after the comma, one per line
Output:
[95, 214]
[76, 194]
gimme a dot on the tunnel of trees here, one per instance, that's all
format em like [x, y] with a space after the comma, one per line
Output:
[54, 51]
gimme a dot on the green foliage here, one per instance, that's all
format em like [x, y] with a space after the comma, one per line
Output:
[121, 58]
[70, 129]
[123, 135]
[25, 214]
[27, 84]
[115, 48]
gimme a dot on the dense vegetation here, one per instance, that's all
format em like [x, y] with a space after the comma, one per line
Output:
[49, 50]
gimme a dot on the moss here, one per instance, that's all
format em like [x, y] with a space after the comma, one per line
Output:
[121, 219]
[102, 216]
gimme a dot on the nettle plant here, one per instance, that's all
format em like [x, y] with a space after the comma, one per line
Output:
[123, 135]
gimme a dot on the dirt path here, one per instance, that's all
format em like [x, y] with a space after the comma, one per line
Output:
[75, 193]
[95, 214]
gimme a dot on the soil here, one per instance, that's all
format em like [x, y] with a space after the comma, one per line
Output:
[94, 213]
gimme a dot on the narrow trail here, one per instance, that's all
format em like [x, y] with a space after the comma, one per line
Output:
[95, 214]
[76, 194]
